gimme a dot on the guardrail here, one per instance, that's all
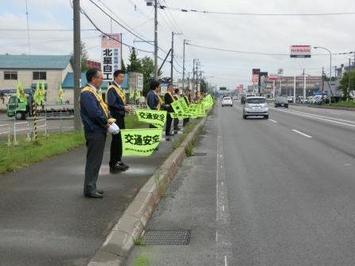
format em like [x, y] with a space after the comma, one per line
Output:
[11, 130]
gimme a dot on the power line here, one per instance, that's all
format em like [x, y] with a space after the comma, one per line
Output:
[109, 36]
[119, 23]
[343, 13]
[173, 19]
[125, 27]
[254, 52]
[43, 30]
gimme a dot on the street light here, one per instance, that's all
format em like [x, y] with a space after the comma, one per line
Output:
[330, 63]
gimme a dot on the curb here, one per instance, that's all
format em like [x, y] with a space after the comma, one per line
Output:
[130, 226]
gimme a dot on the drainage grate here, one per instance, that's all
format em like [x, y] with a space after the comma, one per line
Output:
[167, 237]
[199, 154]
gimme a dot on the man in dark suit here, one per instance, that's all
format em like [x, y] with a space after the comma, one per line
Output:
[116, 99]
[153, 100]
[176, 120]
[95, 117]
[169, 99]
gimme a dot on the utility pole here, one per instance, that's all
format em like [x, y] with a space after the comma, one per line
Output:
[304, 84]
[156, 74]
[183, 64]
[348, 92]
[172, 59]
[322, 79]
[76, 65]
[193, 74]
[294, 89]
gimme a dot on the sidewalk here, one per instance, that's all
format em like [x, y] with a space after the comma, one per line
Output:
[189, 204]
[45, 220]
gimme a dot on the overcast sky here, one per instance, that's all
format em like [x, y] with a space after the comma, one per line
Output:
[247, 33]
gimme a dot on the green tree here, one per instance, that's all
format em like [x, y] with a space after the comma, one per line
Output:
[148, 73]
[134, 63]
[83, 57]
[123, 66]
[203, 86]
[347, 79]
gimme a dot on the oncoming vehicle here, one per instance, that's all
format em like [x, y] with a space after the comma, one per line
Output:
[227, 101]
[256, 106]
[281, 101]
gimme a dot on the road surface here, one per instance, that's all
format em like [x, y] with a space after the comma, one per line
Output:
[267, 192]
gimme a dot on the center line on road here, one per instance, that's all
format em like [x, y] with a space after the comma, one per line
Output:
[225, 261]
[301, 133]
[274, 121]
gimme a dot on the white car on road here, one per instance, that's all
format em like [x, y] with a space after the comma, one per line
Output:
[227, 101]
[256, 106]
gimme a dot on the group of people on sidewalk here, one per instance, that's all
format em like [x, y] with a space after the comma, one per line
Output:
[100, 117]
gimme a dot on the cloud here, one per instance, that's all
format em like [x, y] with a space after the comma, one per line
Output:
[265, 34]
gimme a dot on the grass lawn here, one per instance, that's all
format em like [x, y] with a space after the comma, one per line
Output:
[349, 104]
[26, 153]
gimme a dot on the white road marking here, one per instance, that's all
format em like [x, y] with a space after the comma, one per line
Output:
[225, 261]
[301, 133]
[320, 117]
[274, 121]
[223, 230]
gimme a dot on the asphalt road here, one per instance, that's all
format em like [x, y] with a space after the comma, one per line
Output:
[44, 218]
[282, 192]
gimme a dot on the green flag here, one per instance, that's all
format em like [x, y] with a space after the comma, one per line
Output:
[179, 110]
[39, 94]
[60, 94]
[140, 142]
[20, 92]
[153, 117]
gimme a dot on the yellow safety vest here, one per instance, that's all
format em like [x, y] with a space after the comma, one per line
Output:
[99, 99]
[119, 92]
[161, 102]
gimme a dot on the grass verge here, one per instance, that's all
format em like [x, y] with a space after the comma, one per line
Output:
[27, 153]
[349, 104]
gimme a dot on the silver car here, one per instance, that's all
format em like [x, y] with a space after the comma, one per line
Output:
[256, 106]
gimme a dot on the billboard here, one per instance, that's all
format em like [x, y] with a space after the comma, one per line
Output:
[111, 54]
[255, 75]
[135, 81]
[273, 77]
[300, 51]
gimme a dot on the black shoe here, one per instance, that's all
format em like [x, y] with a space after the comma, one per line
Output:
[94, 195]
[100, 191]
[115, 170]
[122, 165]
[167, 139]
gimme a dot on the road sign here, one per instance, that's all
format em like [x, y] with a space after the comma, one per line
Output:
[300, 51]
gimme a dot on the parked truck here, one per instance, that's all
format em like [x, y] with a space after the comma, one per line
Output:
[21, 109]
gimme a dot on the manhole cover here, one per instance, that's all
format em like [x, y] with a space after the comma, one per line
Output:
[199, 154]
[167, 237]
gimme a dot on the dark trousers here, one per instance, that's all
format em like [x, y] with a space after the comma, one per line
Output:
[116, 144]
[176, 124]
[185, 121]
[168, 124]
[95, 143]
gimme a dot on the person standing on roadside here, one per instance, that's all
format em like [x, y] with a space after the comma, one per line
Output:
[116, 100]
[169, 99]
[96, 119]
[153, 100]
[176, 120]
[187, 101]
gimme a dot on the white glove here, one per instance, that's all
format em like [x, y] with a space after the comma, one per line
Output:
[113, 129]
